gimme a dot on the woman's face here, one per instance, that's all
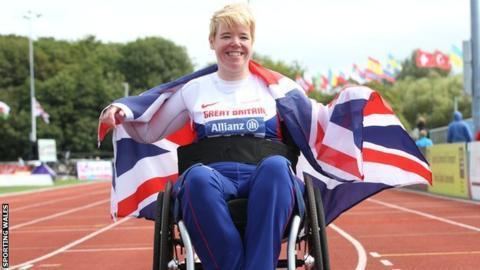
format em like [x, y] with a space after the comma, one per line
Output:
[233, 49]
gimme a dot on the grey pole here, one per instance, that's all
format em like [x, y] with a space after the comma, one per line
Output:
[33, 135]
[475, 43]
[126, 86]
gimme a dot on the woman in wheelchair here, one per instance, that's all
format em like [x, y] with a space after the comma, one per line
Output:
[242, 151]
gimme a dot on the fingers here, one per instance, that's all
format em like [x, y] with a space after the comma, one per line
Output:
[112, 116]
[119, 116]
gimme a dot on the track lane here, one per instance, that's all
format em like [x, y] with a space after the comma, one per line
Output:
[403, 239]
[406, 239]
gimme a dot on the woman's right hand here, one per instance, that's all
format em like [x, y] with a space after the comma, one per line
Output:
[112, 116]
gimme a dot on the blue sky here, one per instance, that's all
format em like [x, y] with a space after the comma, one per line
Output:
[319, 34]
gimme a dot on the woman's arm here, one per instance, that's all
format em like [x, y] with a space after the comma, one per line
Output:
[171, 116]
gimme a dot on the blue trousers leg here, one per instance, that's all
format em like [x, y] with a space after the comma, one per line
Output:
[270, 204]
[205, 212]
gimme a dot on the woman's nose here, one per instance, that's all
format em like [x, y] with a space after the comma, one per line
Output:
[235, 41]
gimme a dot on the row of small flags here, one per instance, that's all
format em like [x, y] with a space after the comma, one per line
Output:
[39, 111]
[376, 71]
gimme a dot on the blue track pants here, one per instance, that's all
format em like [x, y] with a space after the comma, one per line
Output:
[203, 196]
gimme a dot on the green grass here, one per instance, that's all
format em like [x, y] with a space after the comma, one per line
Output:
[4, 190]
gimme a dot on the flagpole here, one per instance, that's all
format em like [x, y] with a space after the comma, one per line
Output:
[33, 134]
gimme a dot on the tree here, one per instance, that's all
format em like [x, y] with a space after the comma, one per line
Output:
[148, 62]
[289, 70]
[431, 97]
[74, 81]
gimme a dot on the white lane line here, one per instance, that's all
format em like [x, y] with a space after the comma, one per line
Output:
[362, 254]
[375, 255]
[423, 193]
[474, 252]
[386, 262]
[13, 194]
[58, 214]
[57, 229]
[50, 265]
[423, 214]
[71, 244]
[33, 205]
[109, 249]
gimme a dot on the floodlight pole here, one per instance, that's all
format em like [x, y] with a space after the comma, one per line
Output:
[33, 134]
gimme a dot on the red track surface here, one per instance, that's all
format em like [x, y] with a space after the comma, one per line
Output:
[70, 228]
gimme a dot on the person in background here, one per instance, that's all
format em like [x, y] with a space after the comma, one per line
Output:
[421, 125]
[458, 130]
[423, 141]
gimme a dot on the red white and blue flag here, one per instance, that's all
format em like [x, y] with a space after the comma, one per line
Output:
[353, 147]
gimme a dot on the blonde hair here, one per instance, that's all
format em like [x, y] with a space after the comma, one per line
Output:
[230, 15]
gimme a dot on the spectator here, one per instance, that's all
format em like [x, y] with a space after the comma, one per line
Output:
[458, 130]
[423, 141]
[421, 125]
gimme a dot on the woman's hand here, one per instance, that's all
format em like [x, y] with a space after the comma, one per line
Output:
[112, 116]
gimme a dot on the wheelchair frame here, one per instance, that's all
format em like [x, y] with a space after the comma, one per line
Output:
[172, 241]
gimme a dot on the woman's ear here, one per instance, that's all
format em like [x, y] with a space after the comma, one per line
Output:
[210, 40]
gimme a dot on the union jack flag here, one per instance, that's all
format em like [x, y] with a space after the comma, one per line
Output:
[353, 147]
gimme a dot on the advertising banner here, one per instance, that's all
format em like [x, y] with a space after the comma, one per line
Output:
[47, 150]
[94, 170]
[449, 168]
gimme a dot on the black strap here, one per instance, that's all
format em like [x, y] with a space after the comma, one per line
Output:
[245, 149]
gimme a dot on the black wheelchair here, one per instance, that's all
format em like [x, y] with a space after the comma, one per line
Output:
[306, 239]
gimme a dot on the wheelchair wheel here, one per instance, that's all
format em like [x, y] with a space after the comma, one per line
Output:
[322, 227]
[162, 245]
[314, 240]
[156, 232]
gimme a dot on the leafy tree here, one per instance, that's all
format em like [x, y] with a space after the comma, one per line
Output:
[148, 62]
[14, 68]
[289, 70]
[74, 81]
[431, 97]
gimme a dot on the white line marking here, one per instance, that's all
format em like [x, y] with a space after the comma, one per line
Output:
[418, 192]
[109, 249]
[362, 254]
[386, 262]
[50, 265]
[477, 229]
[375, 255]
[57, 215]
[433, 253]
[12, 194]
[33, 205]
[71, 244]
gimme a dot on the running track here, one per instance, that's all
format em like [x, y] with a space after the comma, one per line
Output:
[70, 228]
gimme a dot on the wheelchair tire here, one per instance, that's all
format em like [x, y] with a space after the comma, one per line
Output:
[323, 227]
[156, 232]
[314, 240]
[162, 249]
[166, 246]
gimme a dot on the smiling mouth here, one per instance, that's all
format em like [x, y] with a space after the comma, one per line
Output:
[235, 53]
